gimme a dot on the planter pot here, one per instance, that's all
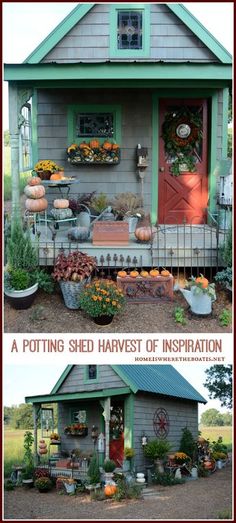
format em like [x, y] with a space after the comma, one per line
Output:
[28, 483]
[132, 221]
[70, 489]
[126, 465]
[43, 490]
[21, 299]
[71, 291]
[159, 466]
[108, 476]
[104, 319]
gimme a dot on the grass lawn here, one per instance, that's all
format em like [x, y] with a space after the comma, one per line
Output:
[7, 175]
[213, 433]
[14, 448]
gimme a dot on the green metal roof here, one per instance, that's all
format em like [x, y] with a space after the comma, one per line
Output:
[158, 379]
[82, 9]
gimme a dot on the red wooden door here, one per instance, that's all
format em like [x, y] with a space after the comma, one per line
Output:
[183, 197]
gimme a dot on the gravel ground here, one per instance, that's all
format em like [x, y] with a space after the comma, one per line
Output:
[49, 314]
[206, 498]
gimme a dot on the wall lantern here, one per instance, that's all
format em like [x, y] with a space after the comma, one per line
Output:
[144, 440]
[94, 434]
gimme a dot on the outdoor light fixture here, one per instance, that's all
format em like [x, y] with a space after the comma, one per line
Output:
[94, 434]
[144, 440]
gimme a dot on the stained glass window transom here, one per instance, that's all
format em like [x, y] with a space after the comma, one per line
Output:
[129, 30]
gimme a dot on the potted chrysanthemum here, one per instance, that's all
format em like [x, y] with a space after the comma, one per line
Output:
[102, 299]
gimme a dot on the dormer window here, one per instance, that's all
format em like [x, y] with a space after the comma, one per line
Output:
[129, 30]
[92, 372]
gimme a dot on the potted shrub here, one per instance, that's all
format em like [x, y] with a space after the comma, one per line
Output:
[93, 474]
[72, 272]
[156, 450]
[108, 467]
[45, 168]
[22, 276]
[43, 484]
[102, 299]
[129, 207]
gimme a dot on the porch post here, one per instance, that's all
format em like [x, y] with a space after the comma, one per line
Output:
[14, 140]
[106, 414]
[36, 410]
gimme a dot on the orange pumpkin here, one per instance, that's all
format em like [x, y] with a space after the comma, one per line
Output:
[122, 274]
[34, 180]
[110, 490]
[144, 274]
[107, 146]
[154, 273]
[34, 191]
[36, 205]
[134, 274]
[43, 451]
[56, 176]
[208, 465]
[61, 204]
[94, 144]
[115, 147]
[84, 145]
[164, 272]
[143, 234]
[202, 280]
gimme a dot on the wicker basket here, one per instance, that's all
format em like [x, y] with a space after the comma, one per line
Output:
[71, 291]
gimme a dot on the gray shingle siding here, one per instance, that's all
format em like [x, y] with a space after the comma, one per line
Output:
[107, 379]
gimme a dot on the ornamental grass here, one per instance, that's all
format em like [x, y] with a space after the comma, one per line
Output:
[102, 297]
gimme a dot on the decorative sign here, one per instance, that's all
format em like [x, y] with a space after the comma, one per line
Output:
[111, 233]
[79, 416]
[161, 423]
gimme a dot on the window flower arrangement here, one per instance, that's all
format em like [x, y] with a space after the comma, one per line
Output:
[45, 168]
[76, 429]
[102, 297]
[181, 458]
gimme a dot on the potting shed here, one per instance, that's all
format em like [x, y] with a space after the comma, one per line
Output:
[106, 408]
[151, 79]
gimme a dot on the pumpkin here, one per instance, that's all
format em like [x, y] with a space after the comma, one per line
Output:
[36, 205]
[203, 281]
[78, 234]
[94, 144]
[56, 176]
[115, 147]
[143, 234]
[134, 274]
[34, 180]
[110, 490]
[61, 214]
[165, 273]
[154, 273]
[122, 274]
[144, 274]
[34, 192]
[61, 204]
[107, 146]
[84, 145]
[208, 465]
[43, 451]
[42, 441]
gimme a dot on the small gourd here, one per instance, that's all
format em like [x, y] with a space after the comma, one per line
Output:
[36, 205]
[122, 274]
[34, 180]
[61, 214]
[115, 147]
[144, 234]
[165, 273]
[94, 144]
[154, 273]
[34, 191]
[42, 447]
[61, 204]
[144, 274]
[84, 145]
[134, 274]
[208, 465]
[203, 281]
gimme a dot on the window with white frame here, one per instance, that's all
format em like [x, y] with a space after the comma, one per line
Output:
[26, 138]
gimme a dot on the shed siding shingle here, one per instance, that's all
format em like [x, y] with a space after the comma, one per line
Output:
[107, 379]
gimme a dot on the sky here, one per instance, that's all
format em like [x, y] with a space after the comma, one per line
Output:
[25, 25]
[29, 380]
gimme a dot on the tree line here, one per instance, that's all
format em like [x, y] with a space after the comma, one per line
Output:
[21, 416]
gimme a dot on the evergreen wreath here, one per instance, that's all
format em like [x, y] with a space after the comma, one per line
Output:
[182, 148]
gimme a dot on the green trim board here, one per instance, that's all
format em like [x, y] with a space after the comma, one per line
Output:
[117, 369]
[62, 378]
[144, 52]
[128, 84]
[58, 33]
[201, 32]
[225, 109]
[54, 398]
[117, 71]
[96, 108]
[35, 127]
[168, 93]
